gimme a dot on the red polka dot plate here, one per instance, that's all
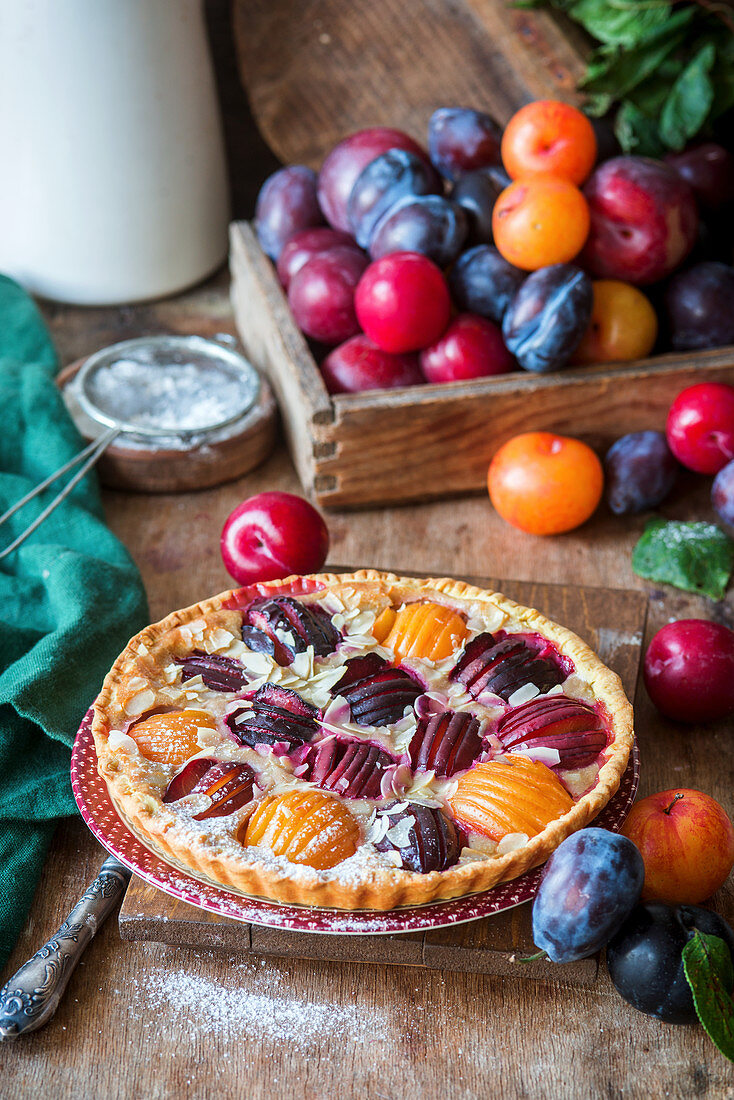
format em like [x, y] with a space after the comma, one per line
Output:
[98, 811]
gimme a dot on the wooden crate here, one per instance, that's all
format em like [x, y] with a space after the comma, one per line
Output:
[426, 442]
[340, 67]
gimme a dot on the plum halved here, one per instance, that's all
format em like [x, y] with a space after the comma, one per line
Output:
[376, 692]
[500, 667]
[571, 727]
[345, 765]
[445, 743]
[218, 672]
[281, 716]
[431, 843]
[229, 784]
[283, 627]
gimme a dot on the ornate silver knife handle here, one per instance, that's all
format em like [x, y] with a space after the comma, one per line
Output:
[32, 995]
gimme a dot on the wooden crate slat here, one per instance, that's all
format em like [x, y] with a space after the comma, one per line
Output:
[424, 447]
[275, 345]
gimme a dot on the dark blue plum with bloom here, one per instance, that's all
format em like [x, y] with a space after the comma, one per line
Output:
[386, 180]
[482, 281]
[429, 224]
[640, 472]
[548, 316]
[645, 957]
[590, 885]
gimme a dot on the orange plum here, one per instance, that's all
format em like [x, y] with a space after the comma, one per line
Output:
[540, 220]
[172, 737]
[623, 325]
[544, 483]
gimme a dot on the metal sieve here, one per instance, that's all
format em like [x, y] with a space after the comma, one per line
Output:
[124, 399]
[222, 388]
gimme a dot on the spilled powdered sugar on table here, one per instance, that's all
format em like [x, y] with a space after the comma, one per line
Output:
[253, 1004]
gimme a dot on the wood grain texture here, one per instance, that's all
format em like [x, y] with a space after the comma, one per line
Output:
[338, 66]
[279, 351]
[613, 623]
[433, 441]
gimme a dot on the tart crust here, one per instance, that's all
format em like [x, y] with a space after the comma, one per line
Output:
[140, 669]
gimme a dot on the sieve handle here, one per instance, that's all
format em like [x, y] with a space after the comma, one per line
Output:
[92, 454]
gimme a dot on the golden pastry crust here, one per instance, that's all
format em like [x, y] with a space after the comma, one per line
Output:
[132, 687]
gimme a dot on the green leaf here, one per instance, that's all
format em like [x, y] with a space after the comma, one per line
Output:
[623, 23]
[652, 93]
[562, 5]
[597, 68]
[708, 968]
[697, 557]
[620, 72]
[598, 105]
[690, 100]
[668, 64]
[672, 24]
[636, 132]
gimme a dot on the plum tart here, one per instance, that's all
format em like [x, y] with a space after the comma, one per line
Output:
[359, 740]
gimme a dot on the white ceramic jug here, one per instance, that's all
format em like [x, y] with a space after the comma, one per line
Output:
[113, 183]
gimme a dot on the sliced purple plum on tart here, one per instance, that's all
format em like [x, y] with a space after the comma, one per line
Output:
[572, 728]
[445, 743]
[426, 839]
[219, 673]
[376, 692]
[345, 765]
[283, 627]
[501, 667]
[275, 716]
[360, 668]
[184, 781]
[228, 784]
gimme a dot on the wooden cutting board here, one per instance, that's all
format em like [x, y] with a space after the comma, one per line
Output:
[339, 66]
[612, 621]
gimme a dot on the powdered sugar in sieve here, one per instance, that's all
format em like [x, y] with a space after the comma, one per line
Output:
[160, 387]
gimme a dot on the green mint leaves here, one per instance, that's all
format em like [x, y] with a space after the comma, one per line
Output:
[668, 67]
[697, 557]
[708, 968]
[687, 107]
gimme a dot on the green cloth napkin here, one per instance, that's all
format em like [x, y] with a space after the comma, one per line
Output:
[70, 598]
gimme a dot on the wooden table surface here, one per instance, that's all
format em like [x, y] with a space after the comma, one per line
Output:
[144, 1020]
